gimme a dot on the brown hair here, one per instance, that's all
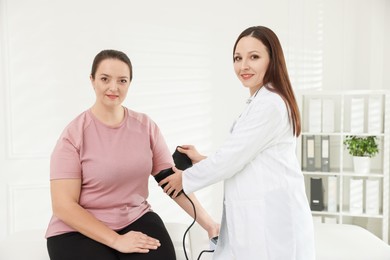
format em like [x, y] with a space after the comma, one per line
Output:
[276, 73]
[110, 54]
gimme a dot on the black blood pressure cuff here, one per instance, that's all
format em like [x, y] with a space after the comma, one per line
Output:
[182, 162]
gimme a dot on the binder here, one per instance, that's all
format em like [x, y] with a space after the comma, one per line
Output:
[356, 196]
[332, 194]
[316, 194]
[372, 197]
[325, 167]
[315, 115]
[357, 115]
[374, 115]
[328, 115]
[310, 153]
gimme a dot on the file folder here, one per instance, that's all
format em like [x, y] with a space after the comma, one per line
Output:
[316, 194]
[328, 115]
[310, 153]
[325, 167]
[315, 108]
[372, 196]
[356, 196]
[357, 115]
[332, 193]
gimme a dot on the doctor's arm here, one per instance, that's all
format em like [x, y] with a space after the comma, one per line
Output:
[192, 153]
[254, 132]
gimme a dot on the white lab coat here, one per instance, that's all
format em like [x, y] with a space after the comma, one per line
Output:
[265, 213]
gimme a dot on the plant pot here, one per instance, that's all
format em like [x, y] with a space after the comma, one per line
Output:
[361, 164]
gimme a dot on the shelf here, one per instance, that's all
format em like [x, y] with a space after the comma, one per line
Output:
[343, 134]
[322, 173]
[325, 213]
[346, 174]
[327, 119]
[367, 175]
[322, 134]
[346, 213]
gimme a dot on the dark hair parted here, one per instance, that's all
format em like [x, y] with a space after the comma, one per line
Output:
[111, 54]
[276, 73]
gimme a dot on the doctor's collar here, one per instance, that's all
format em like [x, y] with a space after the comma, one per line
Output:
[249, 100]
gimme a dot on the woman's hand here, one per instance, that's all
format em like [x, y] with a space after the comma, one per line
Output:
[213, 230]
[191, 152]
[135, 242]
[174, 183]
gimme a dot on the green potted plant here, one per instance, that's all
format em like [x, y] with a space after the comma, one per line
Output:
[362, 148]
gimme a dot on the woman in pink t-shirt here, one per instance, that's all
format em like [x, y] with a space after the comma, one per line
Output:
[99, 174]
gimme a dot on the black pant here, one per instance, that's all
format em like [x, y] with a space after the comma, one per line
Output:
[75, 246]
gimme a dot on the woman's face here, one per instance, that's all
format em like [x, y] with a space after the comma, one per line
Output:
[251, 60]
[111, 82]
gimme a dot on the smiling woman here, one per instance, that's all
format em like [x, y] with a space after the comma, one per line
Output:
[110, 78]
[251, 60]
[266, 212]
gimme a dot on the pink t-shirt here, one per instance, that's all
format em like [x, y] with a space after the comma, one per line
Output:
[114, 164]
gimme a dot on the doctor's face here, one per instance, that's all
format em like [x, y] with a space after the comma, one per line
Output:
[251, 60]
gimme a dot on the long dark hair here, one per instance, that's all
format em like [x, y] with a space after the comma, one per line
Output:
[276, 74]
[110, 54]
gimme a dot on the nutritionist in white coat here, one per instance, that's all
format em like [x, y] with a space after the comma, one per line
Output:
[266, 213]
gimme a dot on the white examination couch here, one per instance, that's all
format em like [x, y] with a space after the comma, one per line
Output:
[333, 242]
[31, 244]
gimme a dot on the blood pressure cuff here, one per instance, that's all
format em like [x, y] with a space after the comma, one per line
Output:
[182, 162]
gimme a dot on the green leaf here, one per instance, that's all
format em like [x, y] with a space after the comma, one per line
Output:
[361, 146]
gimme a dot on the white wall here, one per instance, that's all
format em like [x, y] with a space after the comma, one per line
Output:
[183, 75]
[386, 50]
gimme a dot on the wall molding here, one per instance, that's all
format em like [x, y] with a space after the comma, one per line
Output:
[26, 204]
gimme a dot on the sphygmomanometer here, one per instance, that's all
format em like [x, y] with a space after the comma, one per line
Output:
[182, 162]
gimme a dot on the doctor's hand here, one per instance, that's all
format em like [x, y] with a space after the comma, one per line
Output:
[174, 183]
[191, 152]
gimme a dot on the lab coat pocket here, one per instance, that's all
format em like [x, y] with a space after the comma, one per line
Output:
[245, 221]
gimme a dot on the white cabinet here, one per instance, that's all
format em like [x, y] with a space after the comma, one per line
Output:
[328, 117]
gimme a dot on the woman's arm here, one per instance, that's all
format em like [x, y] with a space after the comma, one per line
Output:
[202, 217]
[65, 195]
